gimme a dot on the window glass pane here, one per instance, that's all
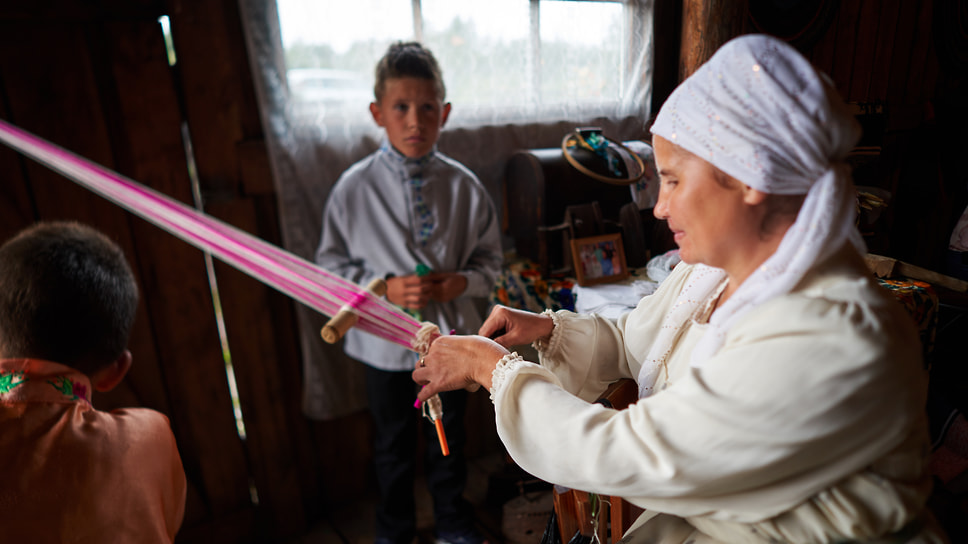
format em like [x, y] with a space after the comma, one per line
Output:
[331, 49]
[482, 48]
[581, 51]
[521, 60]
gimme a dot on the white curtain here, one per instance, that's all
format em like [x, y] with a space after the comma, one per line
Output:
[603, 80]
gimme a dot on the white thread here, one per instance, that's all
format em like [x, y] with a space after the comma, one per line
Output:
[422, 339]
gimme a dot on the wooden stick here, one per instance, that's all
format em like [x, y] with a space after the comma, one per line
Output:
[434, 410]
[336, 327]
[442, 437]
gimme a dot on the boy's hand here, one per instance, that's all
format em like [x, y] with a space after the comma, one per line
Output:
[446, 286]
[411, 292]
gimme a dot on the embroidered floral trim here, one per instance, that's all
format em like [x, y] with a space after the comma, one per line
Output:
[550, 345]
[508, 364]
[9, 382]
[36, 380]
[68, 388]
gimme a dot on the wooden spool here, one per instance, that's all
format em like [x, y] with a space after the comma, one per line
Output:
[336, 327]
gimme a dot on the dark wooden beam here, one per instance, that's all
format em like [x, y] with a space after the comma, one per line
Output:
[667, 17]
[706, 25]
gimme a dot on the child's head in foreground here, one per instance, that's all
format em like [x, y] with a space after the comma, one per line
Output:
[67, 295]
[410, 93]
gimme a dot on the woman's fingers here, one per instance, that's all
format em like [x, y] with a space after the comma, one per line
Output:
[498, 324]
[457, 362]
[510, 327]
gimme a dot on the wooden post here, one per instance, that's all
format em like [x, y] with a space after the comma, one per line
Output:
[706, 25]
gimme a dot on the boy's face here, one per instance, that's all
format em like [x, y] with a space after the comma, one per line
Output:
[412, 115]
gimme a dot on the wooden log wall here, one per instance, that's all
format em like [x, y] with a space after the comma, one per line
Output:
[94, 77]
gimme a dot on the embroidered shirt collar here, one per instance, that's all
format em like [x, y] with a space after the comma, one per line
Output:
[411, 166]
[35, 380]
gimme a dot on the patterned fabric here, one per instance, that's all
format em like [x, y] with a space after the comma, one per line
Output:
[921, 301]
[521, 286]
[11, 380]
[760, 112]
[33, 382]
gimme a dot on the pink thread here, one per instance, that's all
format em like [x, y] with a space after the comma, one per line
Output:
[291, 275]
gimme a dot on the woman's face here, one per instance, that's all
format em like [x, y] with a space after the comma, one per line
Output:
[711, 219]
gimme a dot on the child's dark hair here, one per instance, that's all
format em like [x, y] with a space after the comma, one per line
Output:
[67, 295]
[408, 59]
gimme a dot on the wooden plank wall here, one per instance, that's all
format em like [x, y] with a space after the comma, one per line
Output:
[221, 110]
[883, 53]
[94, 78]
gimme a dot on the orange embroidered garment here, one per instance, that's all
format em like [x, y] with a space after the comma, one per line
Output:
[73, 474]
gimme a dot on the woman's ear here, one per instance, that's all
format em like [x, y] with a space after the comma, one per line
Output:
[110, 376]
[753, 197]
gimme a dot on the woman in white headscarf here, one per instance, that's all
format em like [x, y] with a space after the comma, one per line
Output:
[781, 391]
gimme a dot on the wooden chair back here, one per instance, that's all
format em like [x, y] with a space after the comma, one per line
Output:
[575, 510]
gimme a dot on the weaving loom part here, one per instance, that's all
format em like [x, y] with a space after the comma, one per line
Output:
[299, 279]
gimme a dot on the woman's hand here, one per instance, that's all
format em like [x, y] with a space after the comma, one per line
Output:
[456, 362]
[510, 327]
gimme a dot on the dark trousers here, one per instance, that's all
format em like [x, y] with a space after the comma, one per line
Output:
[391, 398]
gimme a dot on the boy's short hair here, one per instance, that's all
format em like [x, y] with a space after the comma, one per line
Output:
[408, 59]
[67, 295]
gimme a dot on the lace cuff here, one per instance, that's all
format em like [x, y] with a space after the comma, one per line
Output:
[508, 364]
[554, 338]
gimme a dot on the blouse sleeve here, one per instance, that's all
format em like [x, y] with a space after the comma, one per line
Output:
[588, 352]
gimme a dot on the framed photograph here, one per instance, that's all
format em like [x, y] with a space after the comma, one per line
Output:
[599, 259]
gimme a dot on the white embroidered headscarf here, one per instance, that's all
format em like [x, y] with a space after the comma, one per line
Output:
[760, 112]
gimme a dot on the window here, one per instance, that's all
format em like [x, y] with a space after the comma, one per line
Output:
[503, 60]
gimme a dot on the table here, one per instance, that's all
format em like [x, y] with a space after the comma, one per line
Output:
[522, 286]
